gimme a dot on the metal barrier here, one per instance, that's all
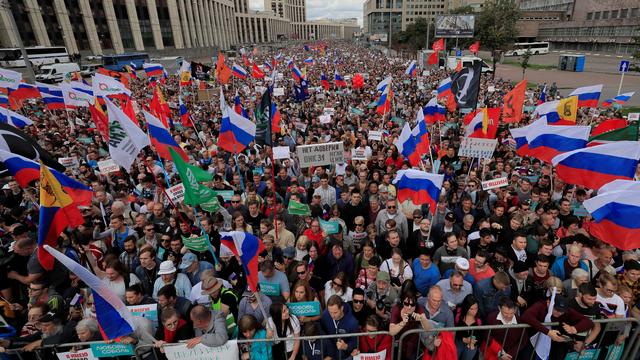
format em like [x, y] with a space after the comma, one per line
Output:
[630, 351]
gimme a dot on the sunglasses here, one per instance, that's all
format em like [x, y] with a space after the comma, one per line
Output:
[409, 303]
[391, 207]
[335, 283]
[358, 301]
[301, 272]
[359, 224]
[235, 201]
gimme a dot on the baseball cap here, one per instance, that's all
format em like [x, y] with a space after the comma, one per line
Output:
[289, 252]
[187, 260]
[383, 276]
[560, 304]
[450, 217]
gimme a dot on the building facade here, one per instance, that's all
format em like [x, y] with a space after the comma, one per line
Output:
[118, 26]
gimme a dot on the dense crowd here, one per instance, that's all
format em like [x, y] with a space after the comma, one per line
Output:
[486, 257]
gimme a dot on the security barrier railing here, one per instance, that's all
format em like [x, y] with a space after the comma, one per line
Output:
[144, 351]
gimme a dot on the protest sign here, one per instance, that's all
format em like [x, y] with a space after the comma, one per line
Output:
[325, 119]
[633, 116]
[495, 183]
[270, 289]
[371, 356]
[375, 135]
[200, 352]
[111, 350]
[358, 154]
[149, 311]
[320, 154]
[69, 162]
[278, 92]
[281, 152]
[108, 166]
[477, 148]
[198, 243]
[304, 308]
[86, 354]
[176, 193]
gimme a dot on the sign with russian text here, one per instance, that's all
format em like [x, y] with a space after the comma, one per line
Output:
[495, 183]
[200, 352]
[108, 166]
[304, 308]
[278, 91]
[76, 355]
[69, 162]
[281, 152]
[176, 193]
[149, 311]
[320, 154]
[371, 356]
[358, 154]
[633, 116]
[477, 148]
[111, 350]
[270, 289]
[375, 135]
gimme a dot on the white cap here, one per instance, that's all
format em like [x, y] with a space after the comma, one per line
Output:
[166, 267]
[461, 263]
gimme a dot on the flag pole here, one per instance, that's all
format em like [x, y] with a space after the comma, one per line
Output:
[206, 236]
[235, 156]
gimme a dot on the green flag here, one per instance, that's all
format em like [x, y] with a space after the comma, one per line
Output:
[296, 208]
[626, 133]
[356, 111]
[194, 193]
[195, 243]
[212, 205]
[329, 227]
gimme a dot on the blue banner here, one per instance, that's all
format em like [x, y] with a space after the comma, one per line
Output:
[270, 289]
[305, 308]
[110, 350]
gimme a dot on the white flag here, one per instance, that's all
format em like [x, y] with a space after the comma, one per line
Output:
[76, 94]
[10, 78]
[104, 85]
[126, 139]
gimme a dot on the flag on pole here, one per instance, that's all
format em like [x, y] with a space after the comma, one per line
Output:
[126, 140]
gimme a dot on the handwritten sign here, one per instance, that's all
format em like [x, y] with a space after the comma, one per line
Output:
[149, 311]
[111, 350]
[77, 355]
[200, 352]
[69, 162]
[495, 183]
[375, 135]
[108, 166]
[358, 154]
[305, 308]
[176, 193]
[281, 152]
[477, 148]
[325, 119]
[320, 154]
[278, 91]
[371, 356]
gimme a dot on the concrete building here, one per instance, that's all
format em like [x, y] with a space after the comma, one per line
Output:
[393, 16]
[565, 6]
[528, 25]
[157, 26]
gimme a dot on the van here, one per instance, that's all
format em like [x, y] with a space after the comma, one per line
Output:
[55, 72]
[467, 61]
[89, 69]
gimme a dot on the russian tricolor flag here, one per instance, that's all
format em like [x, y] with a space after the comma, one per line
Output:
[384, 83]
[434, 112]
[161, 138]
[51, 96]
[384, 101]
[616, 215]
[406, 145]
[268, 65]
[421, 134]
[236, 131]
[419, 186]
[296, 73]
[324, 81]
[546, 141]
[239, 72]
[340, 82]
[185, 117]
[444, 88]
[620, 184]
[588, 96]
[14, 119]
[309, 61]
[153, 70]
[620, 99]
[520, 137]
[247, 247]
[411, 69]
[595, 166]
[290, 64]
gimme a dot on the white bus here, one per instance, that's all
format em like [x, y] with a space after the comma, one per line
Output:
[535, 48]
[39, 55]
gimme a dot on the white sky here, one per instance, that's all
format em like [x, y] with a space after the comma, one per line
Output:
[334, 9]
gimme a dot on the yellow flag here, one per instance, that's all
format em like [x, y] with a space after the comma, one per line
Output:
[568, 109]
[51, 192]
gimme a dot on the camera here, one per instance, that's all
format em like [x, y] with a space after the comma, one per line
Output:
[380, 305]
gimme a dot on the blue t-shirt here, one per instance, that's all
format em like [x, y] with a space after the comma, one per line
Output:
[424, 278]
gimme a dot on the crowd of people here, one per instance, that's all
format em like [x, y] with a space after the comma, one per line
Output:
[482, 257]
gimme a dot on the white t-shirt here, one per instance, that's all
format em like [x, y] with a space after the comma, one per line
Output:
[295, 324]
[119, 287]
[330, 291]
[394, 270]
[611, 306]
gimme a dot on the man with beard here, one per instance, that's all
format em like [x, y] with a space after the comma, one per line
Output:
[129, 257]
[585, 304]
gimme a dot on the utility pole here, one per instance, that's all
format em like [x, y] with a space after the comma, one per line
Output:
[30, 76]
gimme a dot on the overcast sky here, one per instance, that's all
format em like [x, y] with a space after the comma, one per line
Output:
[334, 9]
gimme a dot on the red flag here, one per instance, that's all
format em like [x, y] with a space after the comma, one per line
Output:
[459, 66]
[246, 61]
[127, 108]
[513, 102]
[609, 125]
[159, 107]
[99, 116]
[256, 72]
[120, 76]
[223, 72]
[438, 45]
[23, 92]
[357, 82]
[433, 58]
[475, 47]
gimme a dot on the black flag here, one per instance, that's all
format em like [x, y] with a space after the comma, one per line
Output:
[17, 142]
[263, 120]
[465, 86]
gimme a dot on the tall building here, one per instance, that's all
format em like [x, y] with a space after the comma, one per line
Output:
[160, 26]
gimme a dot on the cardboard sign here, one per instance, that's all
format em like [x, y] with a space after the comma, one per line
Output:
[329, 111]
[200, 352]
[176, 193]
[320, 154]
[633, 116]
[358, 154]
[86, 354]
[278, 91]
[375, 135]
[270, 289]
[325, 119]
[495, 183]
[69, 162]
[371, 356]
[108, 166]
[281, 152]
[111, 350]
[300, 125]
[305, 308]
[149, 311]
[477, 148]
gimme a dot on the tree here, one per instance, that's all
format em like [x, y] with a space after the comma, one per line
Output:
[415, 36]
[462, 10]
[496, 26]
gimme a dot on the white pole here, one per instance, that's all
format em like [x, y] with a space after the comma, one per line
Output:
[624, 70]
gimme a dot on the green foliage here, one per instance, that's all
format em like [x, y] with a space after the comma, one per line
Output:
[524, 63]
[496, 26]
[468, 9]
[415, 36]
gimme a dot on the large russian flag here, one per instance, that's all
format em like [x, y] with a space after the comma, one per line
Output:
[239, 72]
[444, 88]
[247, 247]
[588, 96]
[597, 165]
[236, 131]
[546, 141]
[620, 184]
[384, 83]
[153, 70]
[324, 81]
[114, 317]
[384, 101]
[51, 96]
[14, 119]
[406, 145]
[620, 99]
[26, 170]
[434, 112]
[296, 73]
[340, 82]
[161, 138]
[616, 215]
[421, 134]
[419, 186]
[411, 69]
[520, 137]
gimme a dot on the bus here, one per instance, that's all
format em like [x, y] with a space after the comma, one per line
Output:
[116, 62]
[535, 48]
[39, 55]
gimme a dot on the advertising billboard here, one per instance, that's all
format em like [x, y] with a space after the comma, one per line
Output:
[455, 26]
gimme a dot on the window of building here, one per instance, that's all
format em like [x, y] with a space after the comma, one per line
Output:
[605, 15]
[634, 12]
[596, 15]
[624, 13]
[614, 14]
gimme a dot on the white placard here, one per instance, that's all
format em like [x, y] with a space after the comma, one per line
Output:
[281, 152]
[359, 154]
[371, 356]
[633, 116]
[278, 91]
[200, 352]
[491, 88]
[108, 166]
[325, 119]
[320, 154]
[86, 354]
[495, 183]
[69, 162]
[477, 148]
[176, 193]
[329, 111]
[320, 96]
[260, 89]
[375, 135]
[300, 125]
